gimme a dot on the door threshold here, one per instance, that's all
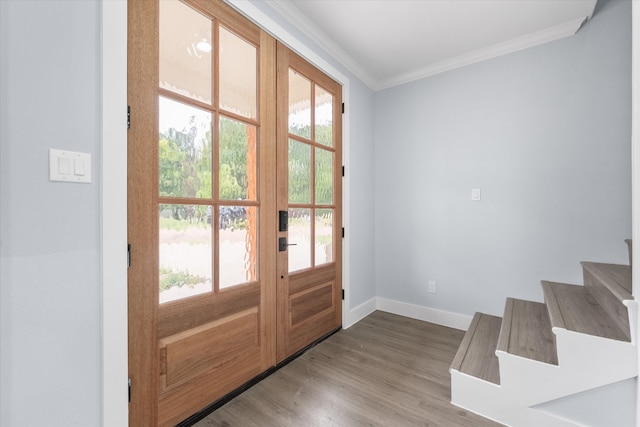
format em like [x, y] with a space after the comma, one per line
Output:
[200, 415]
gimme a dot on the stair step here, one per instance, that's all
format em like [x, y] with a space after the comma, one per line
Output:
[574, 308]
[629, 243]
[610, 285]
[616, 277]
[526, 331]
[476, 355]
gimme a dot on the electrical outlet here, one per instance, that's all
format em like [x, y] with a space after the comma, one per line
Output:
[431, 287]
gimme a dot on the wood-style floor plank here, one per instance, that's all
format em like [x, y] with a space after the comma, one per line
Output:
[386, 370]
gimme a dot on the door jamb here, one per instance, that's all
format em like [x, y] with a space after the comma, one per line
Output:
[113, 214]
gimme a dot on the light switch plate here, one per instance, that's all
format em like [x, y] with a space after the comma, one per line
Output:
[69, 166]
[475, 194]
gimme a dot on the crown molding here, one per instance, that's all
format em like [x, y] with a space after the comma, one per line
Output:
[293, 15]
[524, 42]
[309, 28]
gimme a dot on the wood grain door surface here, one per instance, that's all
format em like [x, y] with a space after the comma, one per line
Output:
[212, 301]
[310, 190]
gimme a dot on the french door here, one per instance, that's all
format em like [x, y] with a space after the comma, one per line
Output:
[226, 130]
[310, 191]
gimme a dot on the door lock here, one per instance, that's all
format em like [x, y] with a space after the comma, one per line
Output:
[283, 223]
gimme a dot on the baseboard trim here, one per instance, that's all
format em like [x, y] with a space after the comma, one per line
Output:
[360, 312]
[419, 312]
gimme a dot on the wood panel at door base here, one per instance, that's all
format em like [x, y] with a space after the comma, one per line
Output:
[309, 304]
[198, 350]
[177, 405]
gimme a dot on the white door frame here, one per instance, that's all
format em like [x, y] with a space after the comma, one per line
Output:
[635, 168]
[115, 407]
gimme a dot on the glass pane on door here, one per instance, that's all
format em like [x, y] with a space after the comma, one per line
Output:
[238, 169]
[299, 239]
[238, 75]
[324, 236]
[299, 105]
[324, 117]
[185, 251]
[184, 150]
[185, 51]
[324, 176]
[299, 172]
[238, 240]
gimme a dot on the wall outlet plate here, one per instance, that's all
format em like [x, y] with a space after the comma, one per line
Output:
[431, 287]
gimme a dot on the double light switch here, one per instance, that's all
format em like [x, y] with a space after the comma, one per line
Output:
[69, 166]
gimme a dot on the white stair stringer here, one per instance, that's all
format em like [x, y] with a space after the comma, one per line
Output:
[584, 362]
[492, 401]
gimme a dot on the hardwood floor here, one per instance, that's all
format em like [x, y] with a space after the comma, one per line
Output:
[386, 370]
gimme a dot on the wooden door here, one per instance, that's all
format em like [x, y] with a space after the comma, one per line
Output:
[202, 235]
[212, 301]
[310, 191]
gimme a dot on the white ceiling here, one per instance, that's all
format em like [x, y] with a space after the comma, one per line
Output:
[390, 42]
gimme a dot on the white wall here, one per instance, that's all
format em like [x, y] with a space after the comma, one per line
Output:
[50, 308]
[545, 133]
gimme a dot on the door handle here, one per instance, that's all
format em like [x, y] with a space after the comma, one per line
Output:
[282, 244]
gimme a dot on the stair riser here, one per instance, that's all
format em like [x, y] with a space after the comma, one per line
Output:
[532, 382]
[491, 401]
[483, 398]
[596, 356]
[611, 304]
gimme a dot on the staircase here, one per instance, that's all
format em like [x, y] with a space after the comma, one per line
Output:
[581, 338]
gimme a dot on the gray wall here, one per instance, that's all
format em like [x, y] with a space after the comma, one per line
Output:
[361, 176]
[50, 308]
[545, 133]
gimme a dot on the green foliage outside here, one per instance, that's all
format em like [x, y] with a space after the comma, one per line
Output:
[300, 174]
[234, 146]
[186, 169]
[169, 279]
[324, 135]
[324, 176]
